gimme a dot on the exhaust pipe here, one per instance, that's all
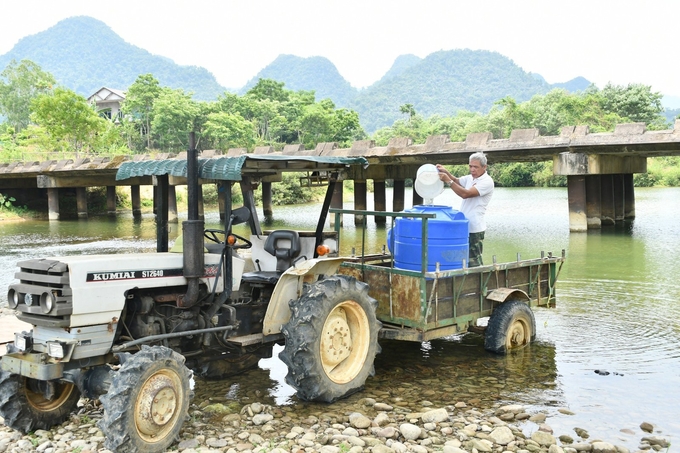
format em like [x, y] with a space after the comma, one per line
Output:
[192, 230]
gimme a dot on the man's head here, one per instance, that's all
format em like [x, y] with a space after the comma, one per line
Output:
[477, 164]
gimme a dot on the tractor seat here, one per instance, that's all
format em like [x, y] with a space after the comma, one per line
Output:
[285, 246]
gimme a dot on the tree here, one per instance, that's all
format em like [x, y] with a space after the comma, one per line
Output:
[68, 116]
[408, 109]
[138, 106]
[175, 115]
[635, 102]
[20, 84]
[269, 89]
[229, 130]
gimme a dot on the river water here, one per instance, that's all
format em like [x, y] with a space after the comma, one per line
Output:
[609, 352]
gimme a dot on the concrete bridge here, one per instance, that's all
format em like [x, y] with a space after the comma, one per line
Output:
[599, 169]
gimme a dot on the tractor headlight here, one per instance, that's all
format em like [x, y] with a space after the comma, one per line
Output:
[55, 349]
[47, 301]
[23, 342]
[12, 298]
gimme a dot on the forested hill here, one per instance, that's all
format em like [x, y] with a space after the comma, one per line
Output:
[84, 54]
[442, 83]
[314, 73]
[445, 82]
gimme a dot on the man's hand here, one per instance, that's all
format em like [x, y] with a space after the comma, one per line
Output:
[446, 176]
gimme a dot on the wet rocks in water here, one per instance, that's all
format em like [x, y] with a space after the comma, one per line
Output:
[607, 373]
[656, 440]
[582, 433]
[647, 427]
[352, 425]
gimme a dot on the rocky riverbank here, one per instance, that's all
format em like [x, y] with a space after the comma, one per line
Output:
[368, 424]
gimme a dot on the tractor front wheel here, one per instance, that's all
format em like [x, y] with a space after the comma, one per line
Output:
[148, 401]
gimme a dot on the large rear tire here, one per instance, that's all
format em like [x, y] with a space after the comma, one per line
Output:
[29, 404]
[148, 401]
[511, 326]
[331, 339]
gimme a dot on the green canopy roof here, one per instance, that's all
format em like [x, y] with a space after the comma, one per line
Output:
[232, 168]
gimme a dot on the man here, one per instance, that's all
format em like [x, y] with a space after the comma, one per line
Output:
[476, 190]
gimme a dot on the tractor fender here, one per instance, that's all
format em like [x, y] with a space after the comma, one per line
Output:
[500, 295]
[290, 286]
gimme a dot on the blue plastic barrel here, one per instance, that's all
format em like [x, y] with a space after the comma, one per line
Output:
[447, 239]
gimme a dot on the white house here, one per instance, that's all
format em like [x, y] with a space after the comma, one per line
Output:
[108, 102]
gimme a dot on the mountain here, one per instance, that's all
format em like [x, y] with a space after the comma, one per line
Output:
[313, 73]
[574, 85]
[445, 82]
[442, 83]
[84, 54]
[401, 64]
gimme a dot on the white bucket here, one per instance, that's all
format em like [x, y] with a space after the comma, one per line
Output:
[427, 184]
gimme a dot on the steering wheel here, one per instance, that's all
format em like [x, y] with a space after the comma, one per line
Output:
[211, 234]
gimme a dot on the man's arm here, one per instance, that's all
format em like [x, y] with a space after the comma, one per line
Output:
[455, 185]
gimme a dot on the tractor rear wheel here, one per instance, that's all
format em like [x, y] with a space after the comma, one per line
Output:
[331, 339]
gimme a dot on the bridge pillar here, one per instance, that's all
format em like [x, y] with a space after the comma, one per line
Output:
[599, 187]
[337, 201]
[628, 197]
[136, 201]
[576, 193]
[398, 195]
[379, 201]
[111, 200]
[81, 202]
[607, 197]
[619, 195]
[172, 205]
[593, 201]
[267, 206]
[359, 200]
[53, 204]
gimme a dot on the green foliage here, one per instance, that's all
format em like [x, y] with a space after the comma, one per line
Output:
[6, 201]
[290, 191]
[175, 116]
[543, 176]
[514, 174]
[20, 84]
[664, 171]
[549, 113]
[68, 119]
[7, 205]
[635, 102]
[138, 109]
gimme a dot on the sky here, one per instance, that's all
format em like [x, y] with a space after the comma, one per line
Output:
[617, 41]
